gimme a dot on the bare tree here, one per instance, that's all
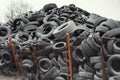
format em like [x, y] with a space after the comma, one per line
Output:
[17, 8]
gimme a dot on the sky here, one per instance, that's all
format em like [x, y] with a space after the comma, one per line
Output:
[106, 8]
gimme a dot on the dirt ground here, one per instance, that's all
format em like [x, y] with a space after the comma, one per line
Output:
[3, 77]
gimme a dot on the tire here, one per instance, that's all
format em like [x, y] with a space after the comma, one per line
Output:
[86, 75]
[64, 75]
[117, 77]
[99, 74]
[43, 62]
[59, 46]
[64, 69]
[112, 78]
[97, 38]
[112, 33]
[89, 68]
[52, 74]
[116, 47]
[55, 19]
[80, 38]
[93, 18]
[91, 42]
[62, 20]
[101, 29]
[97, 78]
[78, 55]
[111, 24]
[43, 47]
[98, 66]
[46, 30]
[99, 21]
[79, 30]
[95, 59]
[30, 28]
[12, 69]
[113, 64]
[4, 32]
[81, 78]
[59, 78]
[64, 15]
[1, 63]
[63, 29]
[25, 20]
[27, 61]
[27, 66]
[110, 48]
[49, 6]
[106, 54]
[23, 37]
[56, 63]
[51, 17]
[6, 56]
[35, 23]
[81, 68]
[61, 61]
[87, 49]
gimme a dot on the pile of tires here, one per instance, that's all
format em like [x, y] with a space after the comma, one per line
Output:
[39, 41]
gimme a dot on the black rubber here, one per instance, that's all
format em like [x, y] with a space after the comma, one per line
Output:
[95, 59]
[99, 21]
[95, 46]
[112, 33]
[86, 75]
[49, 6]
[30, 28]
[113, 64]
[88, 50]
[88, 68]
[93, 18]
[97, 78]
[61, 60]
[46, 30]
[59, 46]
[59, 78]
[80, 38]
[116, 47]
[45, 64]
[101, 29]
[111, 24]
[78, 55]
[6, 56]
[27, 66]
[51, 74]
[56, 63]
[110, 47]
[4, 32]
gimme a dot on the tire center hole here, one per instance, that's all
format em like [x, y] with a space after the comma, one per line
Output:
[44, 64]
[60, 45]
[63, 26]
[116, 65]
[118, 43]
[47, 29]
[3, 32]
[26, 69]
[79, 53]
[6, 57]
[23, 37]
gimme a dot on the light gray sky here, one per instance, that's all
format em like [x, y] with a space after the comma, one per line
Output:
[106, 8]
